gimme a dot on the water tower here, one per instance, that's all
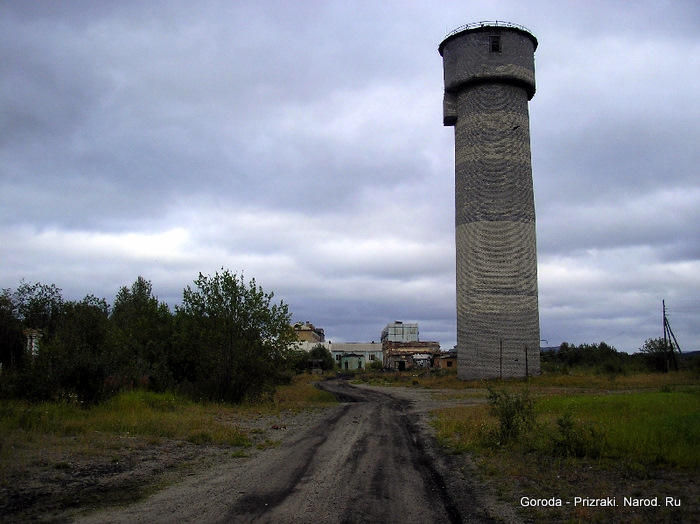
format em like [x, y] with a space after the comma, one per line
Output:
[489, 70]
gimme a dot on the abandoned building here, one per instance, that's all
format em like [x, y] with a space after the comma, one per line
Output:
[446, 360]
[399, 350]
[34, 337]
[351, 362]
[402, 356]
[307, 332]
[400, 332]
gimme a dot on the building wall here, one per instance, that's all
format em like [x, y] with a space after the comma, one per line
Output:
[351, 362]
[369, 351]
[307, 332]
[446, 362]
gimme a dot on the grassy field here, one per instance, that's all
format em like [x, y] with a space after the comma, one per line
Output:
[148, 414]
[589, 436]
[648, 428]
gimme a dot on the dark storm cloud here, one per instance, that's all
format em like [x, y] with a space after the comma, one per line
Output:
[301, 143]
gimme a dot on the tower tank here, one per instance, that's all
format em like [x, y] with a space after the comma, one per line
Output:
[489, 72]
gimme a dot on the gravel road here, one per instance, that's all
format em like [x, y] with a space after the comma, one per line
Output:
[370, 459]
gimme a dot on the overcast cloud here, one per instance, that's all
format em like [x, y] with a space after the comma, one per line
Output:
[301, 143]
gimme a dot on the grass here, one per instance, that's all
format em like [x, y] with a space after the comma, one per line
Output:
[644, 427]
[136, 413]
[135, 418]
[155, 415]
[578, 379]
[300, 395]
[593, 436]
[648, 428]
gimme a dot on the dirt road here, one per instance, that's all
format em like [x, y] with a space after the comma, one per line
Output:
[368, 460]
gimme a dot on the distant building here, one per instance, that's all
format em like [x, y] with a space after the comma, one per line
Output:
[402, 356]
[34, 336]
[369, 351]
[351, 361]
[446, 360]
[400, 348]
[307, 332]
[400, 332]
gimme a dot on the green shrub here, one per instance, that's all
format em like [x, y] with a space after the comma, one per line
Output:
[515, 413]
[375, 365]
[578, 439]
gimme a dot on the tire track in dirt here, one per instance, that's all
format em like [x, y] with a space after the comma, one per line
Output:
[369, 459]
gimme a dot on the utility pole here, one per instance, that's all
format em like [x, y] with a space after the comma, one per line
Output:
[669, 340]
[663, 309]
[527, 371]
[500, 358]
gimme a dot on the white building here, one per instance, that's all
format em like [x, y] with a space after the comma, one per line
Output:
[369, 351]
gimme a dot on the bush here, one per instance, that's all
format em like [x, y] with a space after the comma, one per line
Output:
[375, 365]
[320, 352]
[515, 413]
[578, 439]
[240, 336]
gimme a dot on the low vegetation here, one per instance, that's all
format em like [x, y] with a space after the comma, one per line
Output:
[659, 428]
[141, 413]
[576, 436]
[130, 445]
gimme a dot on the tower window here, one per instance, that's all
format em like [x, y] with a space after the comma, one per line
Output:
[495, 44]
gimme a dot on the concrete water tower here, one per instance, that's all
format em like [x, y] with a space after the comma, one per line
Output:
[489, 70]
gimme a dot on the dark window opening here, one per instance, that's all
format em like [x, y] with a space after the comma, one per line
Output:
[495, 44]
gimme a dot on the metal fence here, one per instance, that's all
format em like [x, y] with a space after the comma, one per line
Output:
[494, 23]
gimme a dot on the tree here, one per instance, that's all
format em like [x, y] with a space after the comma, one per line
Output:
[38, 305]
[10, 331]
[80, 349]
[142, 335]
[32, 306]
[241, 337]
[320, 352]
[656, 354]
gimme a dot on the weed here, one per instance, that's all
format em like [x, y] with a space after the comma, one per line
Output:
[515, 413]
[200, 438]
[267, 444]
[578, 439]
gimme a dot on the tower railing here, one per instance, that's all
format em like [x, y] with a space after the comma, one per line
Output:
[494, 23]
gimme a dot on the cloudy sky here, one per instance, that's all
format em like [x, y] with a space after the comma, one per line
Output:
[301, 143]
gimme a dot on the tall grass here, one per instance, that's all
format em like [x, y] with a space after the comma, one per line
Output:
[151, 415]
[579, 378]
[463, 429]
[301, 394]
[649, 428]
[135, 413]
